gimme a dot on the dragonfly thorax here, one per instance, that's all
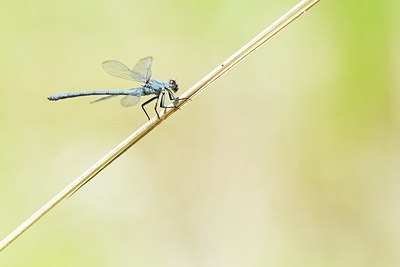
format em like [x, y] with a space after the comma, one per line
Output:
[155, 87]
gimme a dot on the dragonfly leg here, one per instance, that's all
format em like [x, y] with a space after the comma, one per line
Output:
[172, 97]
[162, 102]
[155, 106]
[177, 99]
[147, 102]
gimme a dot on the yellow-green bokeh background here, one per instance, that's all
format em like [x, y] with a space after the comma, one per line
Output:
[291, 159]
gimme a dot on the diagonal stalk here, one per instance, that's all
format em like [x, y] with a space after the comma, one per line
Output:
[191, 93]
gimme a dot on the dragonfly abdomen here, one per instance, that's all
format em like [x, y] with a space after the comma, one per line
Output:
[88, 93]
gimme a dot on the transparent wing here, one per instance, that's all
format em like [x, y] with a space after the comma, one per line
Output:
[142, 69]
[117, 69]
[103, 98]
[129, 100]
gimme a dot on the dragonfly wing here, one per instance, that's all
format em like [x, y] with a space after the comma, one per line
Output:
[103, 98]
[117, 69]
[142, 69]
[129, 100]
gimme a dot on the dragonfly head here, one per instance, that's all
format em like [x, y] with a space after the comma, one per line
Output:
[173, 85]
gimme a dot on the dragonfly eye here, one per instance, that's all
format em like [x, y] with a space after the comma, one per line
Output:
[173, 85]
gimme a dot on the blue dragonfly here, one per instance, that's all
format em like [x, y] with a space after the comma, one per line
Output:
[141, 72]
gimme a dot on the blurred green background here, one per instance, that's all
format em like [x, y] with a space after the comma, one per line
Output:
[291, 159]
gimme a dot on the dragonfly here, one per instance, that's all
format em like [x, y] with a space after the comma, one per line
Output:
[141, 72]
